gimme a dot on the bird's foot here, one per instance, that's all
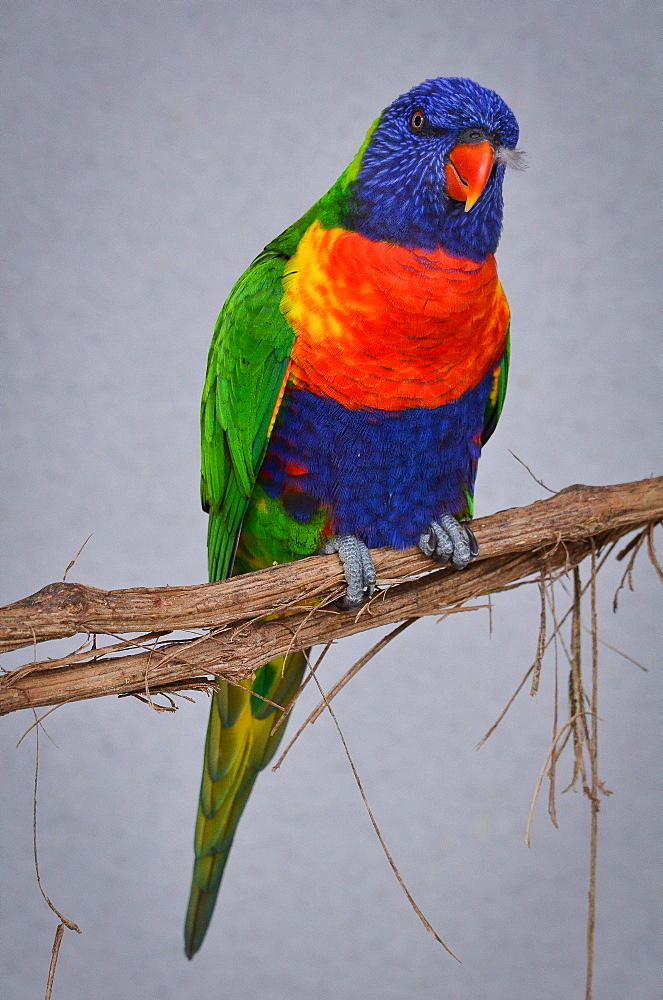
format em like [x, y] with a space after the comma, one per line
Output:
[449, 540]
[357, 566]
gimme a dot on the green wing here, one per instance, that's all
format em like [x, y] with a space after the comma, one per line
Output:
[497, 394]
[247, 365]
[246, 372]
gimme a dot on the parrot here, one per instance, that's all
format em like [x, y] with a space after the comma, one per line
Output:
[356, 370]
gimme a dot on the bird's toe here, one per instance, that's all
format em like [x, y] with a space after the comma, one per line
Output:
[357, 566]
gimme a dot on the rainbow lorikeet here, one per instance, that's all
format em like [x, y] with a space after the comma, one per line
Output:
[357, 367]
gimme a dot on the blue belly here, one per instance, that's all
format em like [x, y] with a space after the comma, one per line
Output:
[382, 475]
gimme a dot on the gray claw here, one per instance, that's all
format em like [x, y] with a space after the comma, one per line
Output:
[472, 539]
[447, 539]
[357, 566]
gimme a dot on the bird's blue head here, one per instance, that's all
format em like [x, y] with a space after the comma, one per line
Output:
[431, 169]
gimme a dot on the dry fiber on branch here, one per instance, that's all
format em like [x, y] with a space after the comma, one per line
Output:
[255, 617]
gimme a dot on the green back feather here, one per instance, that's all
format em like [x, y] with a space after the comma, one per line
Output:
[495, 402]
[247, 363]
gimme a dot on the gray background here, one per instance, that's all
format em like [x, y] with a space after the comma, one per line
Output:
[151, 149]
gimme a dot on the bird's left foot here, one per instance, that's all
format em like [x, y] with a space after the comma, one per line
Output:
[447, 540]
[357, 566]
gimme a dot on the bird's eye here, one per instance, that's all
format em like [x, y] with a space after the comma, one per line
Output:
[418, 120]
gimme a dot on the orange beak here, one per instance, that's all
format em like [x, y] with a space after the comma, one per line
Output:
[468, 171]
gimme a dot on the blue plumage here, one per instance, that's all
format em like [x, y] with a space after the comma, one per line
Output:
[392, 471]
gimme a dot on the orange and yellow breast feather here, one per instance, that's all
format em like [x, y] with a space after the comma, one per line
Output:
[389, 327]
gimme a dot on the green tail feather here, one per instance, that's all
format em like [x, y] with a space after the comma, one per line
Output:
[239, 744]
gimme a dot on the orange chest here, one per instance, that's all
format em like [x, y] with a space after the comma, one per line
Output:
[382, 326]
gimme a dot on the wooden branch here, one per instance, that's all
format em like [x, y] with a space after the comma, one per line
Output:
[555, 534]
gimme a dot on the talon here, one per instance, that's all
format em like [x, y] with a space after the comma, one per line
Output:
[357, 566]
[448, 540]
[472, 539]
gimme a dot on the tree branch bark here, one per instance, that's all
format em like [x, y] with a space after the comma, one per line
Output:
[284, 608]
